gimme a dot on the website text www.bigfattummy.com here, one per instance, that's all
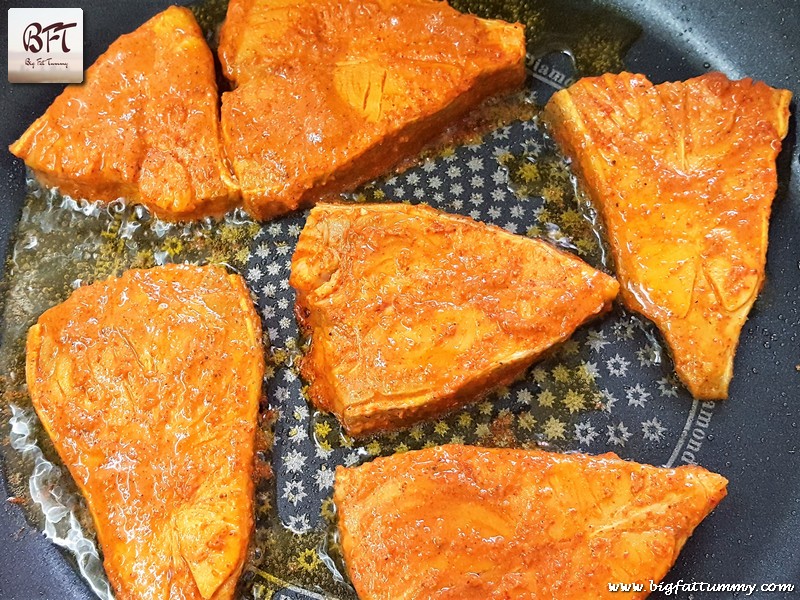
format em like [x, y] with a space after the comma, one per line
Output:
[668, 589]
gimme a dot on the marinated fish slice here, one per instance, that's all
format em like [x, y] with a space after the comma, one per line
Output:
[684, 176]
[412, 312]
[143, 126]
[467, 523]
[330, 94]
[149, 386]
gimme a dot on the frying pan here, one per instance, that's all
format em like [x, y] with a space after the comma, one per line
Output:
[753, 438]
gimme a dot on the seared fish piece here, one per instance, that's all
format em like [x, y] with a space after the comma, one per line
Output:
[683, 175]
[332, 93]
[149, 386]
[413, 312]
[467, 523]
[142, 126]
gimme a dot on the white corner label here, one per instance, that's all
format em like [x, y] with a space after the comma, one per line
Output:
[45, 45]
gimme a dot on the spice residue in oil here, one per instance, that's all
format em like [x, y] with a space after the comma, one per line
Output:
[564, 217]
[596, 36]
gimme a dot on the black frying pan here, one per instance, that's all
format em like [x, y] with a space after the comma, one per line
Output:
[753, 439]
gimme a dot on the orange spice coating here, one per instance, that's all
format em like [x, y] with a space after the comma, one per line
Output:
[413, 312]
[468, 523]
[149, 386]
[142, 126]
[329, 93]
[684, 176]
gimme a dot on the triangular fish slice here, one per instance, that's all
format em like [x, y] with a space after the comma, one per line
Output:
[149, 386]
[468, 523]
[413, 312]
[332, 93]
[684, 176]
[143, 126]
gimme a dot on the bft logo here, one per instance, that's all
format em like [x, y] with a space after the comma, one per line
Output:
[32, 39]
[45, 45]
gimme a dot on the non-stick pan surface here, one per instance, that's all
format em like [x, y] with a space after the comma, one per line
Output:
[752, 439]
